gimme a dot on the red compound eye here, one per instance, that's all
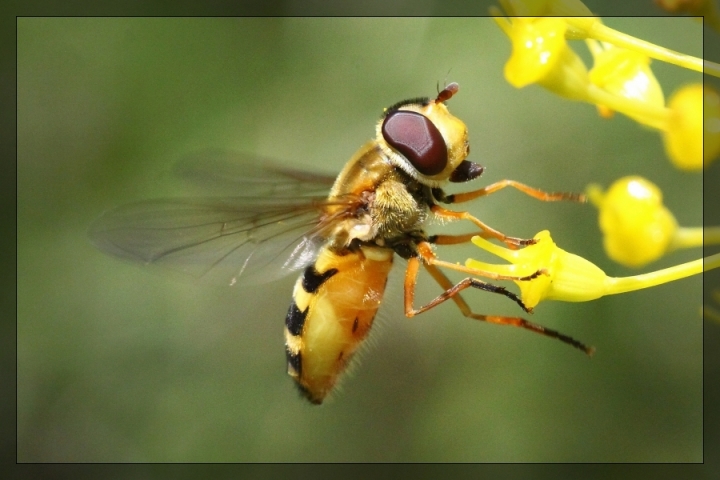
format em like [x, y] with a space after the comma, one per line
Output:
[417, 139]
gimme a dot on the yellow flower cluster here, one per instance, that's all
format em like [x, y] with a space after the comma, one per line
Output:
[620, 80]
[637, 227]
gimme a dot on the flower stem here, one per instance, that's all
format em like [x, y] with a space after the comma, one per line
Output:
[686, 237]
[603, 33]
[711, 68]
[637, 282]
[713, 261]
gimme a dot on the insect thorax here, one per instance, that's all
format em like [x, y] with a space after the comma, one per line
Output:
[394, 204]
[398, 209]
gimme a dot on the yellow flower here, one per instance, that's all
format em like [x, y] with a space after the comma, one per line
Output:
[582, 25]
[627, 74]
[541, 55]
[565, 276]
[637, 228]
[569, 277]
[692, 137]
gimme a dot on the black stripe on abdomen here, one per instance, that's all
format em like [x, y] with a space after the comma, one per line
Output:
[295, 319]
[312, 279]
[294, 361]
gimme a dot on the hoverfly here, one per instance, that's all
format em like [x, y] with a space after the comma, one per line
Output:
[284, 220]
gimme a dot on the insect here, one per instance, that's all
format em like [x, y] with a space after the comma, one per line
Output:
[283, 220]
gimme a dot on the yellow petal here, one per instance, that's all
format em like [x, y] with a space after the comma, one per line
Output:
[627, 74]
[537, 44]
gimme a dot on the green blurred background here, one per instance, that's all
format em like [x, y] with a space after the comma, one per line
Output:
[120, 363]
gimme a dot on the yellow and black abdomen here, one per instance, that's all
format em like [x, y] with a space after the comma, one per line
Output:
[333, 308]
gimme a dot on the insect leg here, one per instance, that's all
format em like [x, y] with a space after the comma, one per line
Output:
[494, 187]
[487, 231]
[453, 292]
[456, 239]
[424, 250]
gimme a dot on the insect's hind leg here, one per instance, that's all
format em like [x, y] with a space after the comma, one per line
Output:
[452, 291]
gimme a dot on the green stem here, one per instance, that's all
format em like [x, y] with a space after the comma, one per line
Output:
[687, 238]
[711, 68]
[603, 33]
[637, 282]
[711, 262]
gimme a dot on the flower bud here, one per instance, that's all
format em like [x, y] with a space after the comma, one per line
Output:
[637, 228]
[692, 138]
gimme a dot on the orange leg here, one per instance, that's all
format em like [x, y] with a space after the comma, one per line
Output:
[453, 292]
[533, 192]
[487, 232]
[424, 250]
[452, 239]
[456, 239]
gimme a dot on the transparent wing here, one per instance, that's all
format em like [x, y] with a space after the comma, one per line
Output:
[234, 173]
[271, 223]
[220, 240]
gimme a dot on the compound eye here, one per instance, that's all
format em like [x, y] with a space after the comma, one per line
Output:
[415, 137]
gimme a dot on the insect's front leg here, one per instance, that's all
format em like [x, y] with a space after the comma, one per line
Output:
[487, 231]
[494, 187]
